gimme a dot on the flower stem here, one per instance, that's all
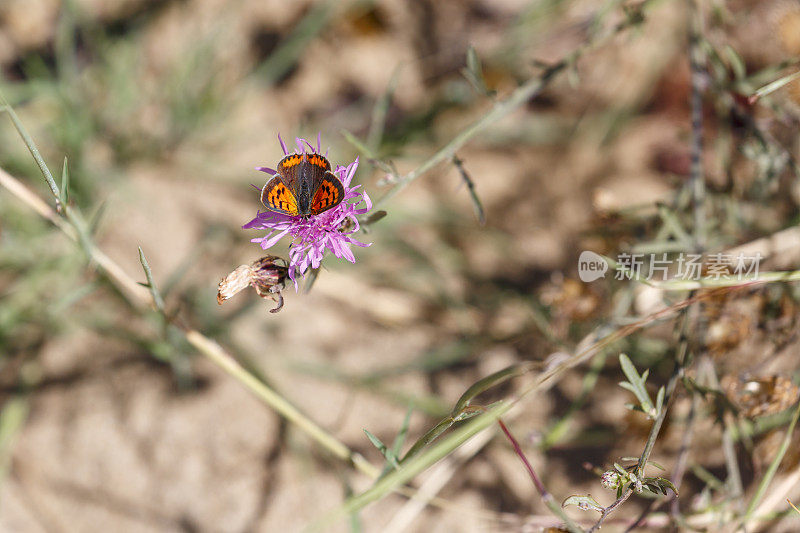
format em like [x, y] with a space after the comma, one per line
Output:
[547, 498]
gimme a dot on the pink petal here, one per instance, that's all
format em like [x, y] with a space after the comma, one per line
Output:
[283, 145]
[274, 239]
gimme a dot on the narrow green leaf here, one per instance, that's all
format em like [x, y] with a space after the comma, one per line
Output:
[386, 452]
[428, 437]
[488, 382]
[584, 503]
[397, 446]
[736, 62]
[156, 295]
[628, 369]
[634, 407]
[664, 484]
[28, 140]
[660, 399]
[401, 436]
[636, 384]
[474, 73]
[468, 412]
[376, 441]
[473, 62]
[473, 194]
[97, 217]
[64, 183]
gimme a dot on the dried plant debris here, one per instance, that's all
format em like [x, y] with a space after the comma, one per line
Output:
[761, 396]
[266, 275]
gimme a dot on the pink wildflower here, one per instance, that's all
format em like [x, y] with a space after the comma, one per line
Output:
[313, 235]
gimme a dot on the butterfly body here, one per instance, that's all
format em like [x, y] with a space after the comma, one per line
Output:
[302, 186]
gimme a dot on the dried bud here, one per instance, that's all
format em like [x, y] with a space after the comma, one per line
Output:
[266, 275]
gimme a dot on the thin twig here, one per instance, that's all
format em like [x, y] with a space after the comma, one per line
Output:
[697, 179]
[611, 508]
[679, 469]
[547, 498]
[476, 201]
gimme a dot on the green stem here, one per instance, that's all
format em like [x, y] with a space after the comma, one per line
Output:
[547, 498]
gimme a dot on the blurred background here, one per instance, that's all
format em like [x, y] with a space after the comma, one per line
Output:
[111, 422]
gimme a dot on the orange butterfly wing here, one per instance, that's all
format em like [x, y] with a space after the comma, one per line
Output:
[277, 197]
[329, 193]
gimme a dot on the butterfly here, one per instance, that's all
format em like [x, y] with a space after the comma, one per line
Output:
[303, 185]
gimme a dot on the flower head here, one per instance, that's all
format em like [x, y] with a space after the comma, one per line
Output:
[611, 479]
[313, 235]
